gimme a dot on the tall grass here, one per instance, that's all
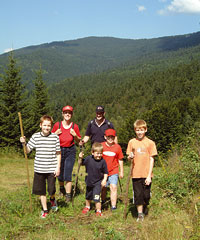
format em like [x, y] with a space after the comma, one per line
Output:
[167, 219]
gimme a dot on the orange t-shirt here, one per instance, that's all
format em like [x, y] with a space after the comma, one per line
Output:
[143, 150]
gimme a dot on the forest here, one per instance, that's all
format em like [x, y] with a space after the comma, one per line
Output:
[167, 99]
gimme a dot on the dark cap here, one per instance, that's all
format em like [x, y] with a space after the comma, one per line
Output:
[99, 109]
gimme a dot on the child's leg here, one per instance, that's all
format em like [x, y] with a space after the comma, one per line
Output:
[98, 206]
[113, 180]
[43, 199]
[87, 203]
[113, 195]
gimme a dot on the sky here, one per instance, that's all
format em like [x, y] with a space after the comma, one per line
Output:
[32, 22]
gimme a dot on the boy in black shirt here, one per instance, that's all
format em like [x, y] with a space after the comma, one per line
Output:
[97, 171]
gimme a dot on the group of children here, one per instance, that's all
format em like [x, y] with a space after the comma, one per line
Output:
[104, 166]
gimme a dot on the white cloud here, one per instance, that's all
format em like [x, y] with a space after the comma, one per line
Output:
[182, 6]
[8, 50]
[141, 8]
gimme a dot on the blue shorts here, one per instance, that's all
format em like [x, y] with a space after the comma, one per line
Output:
[68, 155]
[113, 179]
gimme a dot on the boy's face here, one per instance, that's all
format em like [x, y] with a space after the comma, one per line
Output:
[45, 127]
[140, 132]
[97, 155]
[110, 139]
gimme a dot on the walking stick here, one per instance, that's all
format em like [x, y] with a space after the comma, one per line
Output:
[25, 155]
[127, 188]
[76, 181]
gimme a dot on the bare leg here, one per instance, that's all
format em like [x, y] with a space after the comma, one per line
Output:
[140, 208]
[43, 199]
[87, 203]
[113, 195]
[98, 206]
[68, 187]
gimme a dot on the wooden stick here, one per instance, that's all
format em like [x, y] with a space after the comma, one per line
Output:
[127, 188]
[76, 181]
[25, 155]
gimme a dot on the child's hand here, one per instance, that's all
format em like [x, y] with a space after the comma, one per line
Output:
[103, 183]
[23, 140]
[148, 180]
[121, 175]
[131, 156]
[73, 133]
[57, 172]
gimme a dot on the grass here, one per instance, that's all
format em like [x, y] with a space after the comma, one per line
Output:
[166, 219]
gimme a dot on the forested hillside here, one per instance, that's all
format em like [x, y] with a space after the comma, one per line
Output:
[168, 99]
[163, 89]
[61, 60]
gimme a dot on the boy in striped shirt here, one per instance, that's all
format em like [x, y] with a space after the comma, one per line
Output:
[47, 162]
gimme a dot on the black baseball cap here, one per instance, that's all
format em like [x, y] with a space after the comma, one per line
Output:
[99, 109]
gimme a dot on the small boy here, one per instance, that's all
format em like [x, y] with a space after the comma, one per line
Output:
[141, 150]
[47, 162]
[96, 169]
[112, 153]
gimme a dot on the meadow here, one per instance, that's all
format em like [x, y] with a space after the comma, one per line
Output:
[167, 219]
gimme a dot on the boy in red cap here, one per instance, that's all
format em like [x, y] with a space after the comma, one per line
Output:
[112, 153]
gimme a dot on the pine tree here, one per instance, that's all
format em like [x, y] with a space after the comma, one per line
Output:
[40, 101]
[11, 92]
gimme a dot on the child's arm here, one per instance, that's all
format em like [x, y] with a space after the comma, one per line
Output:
[148, 179]
[103, 182]
[23, 141]
[57, 171]
[121, 166]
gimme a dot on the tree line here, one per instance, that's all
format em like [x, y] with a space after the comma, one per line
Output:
[168, 99]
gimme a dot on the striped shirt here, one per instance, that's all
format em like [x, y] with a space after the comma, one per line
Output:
[46, 148]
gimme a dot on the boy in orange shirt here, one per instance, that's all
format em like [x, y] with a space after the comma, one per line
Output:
[141, 150]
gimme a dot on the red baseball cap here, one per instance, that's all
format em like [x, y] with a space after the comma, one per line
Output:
[67, 108]
[110, 132]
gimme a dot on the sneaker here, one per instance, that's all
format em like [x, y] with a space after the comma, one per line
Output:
[54, 205]
[113, 208]
[62, 191]
[99, 214]
[68, 197]
[85, 210]
[140, 217]
[44, 214]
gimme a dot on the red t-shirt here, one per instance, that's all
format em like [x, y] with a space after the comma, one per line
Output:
[66, 139]
[112, 155]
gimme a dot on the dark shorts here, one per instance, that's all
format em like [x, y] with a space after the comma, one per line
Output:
[68, 155]
[93, 193]
[39, 183]
[141, 191]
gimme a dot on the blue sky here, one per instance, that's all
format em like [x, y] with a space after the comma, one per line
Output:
[32, 22]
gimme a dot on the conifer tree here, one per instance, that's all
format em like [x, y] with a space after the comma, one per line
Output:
[40, 101]
[11, 95]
